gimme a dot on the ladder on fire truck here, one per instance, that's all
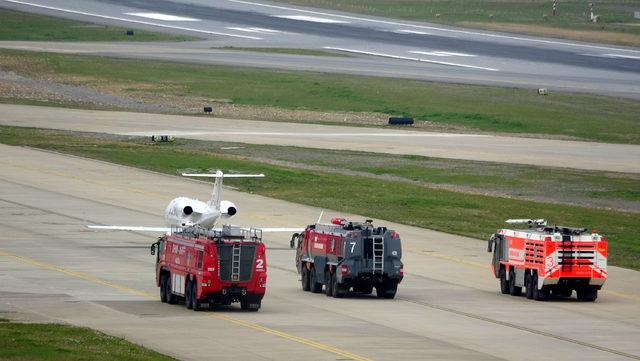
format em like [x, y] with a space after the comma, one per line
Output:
[235, 262]
[378, 254]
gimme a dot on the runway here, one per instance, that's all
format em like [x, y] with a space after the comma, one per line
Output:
[383, 47]
[449, 307]
[542, 152]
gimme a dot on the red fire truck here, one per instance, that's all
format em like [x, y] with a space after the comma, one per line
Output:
[549, 260]
[349, 255]
[205, 267]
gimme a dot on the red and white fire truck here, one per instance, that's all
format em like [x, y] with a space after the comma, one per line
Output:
[549, 260]
[349, 255]
[205, 267]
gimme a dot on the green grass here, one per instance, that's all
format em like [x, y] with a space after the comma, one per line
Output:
[292, 51]
[452, 212]
[491, 109]
[616, 16]
[16, 25]
[32, 341]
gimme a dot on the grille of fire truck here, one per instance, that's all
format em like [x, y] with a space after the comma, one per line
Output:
[378, 254]
[572, 253]
[235, 262]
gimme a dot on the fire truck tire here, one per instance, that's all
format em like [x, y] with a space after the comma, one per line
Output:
[328, 287]
[316, 287]
[249, 305]
[587, 294]
[513, 289]
[538, 295]
[389, 290]
[171, 298]
[306, 286]
[529, 285]
[504, 284]
[163, 288]
[195, 304]
[337, 290]
[187, 296]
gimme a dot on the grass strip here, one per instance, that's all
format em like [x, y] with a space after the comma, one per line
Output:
[33, 341]
[452, 212]
[483, 108]
[616, 17]
[17, 25]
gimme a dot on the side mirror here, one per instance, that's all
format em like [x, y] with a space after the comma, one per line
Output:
[153, 249]
[292, 243]
[490, 243]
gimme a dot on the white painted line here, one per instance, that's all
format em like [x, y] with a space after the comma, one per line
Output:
[254, 30]
[404, 31]
[620, 56]
[131, 20]
[310, 18]
[395, 23]
[165, 17]
[409, 58]
[441, 53]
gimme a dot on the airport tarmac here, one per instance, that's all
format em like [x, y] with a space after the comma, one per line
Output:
[448, 307]
[543, 152]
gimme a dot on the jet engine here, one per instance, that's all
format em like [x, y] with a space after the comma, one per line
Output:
[227, 209]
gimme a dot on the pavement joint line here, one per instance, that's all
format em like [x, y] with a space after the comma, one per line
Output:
[131, 20]
[239, 322]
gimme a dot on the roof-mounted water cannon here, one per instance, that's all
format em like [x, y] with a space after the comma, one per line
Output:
[338, 221]
[530, 222]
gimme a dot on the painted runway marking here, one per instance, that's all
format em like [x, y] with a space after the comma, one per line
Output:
[620, 56]
[131, 20]
[254, 30]
[311, 18]
[441, 53]
[404, 31]
[303, 134]
[237, 321]
[410, 58]
[468, 32]
[165, 17]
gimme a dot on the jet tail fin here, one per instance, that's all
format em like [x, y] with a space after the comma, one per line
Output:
[217, 185]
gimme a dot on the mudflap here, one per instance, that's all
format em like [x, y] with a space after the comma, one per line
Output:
[320, 264]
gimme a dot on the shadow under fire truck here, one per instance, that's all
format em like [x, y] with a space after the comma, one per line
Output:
[206, 267]
[549, 260]
[344, 255]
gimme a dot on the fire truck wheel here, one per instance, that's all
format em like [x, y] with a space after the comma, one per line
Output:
[513, 289]
[163, 288]
[171, 298]
[315, 286]
[195, 304]
[305, 279]
[337, 291]
[587, 294]
[389, 289]
[187, 295]
[248, 304]
[504, 284]
[529, 284]
[538, 295]
[328, 287]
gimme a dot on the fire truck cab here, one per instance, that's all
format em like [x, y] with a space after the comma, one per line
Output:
[349, 255]
[205, 267]
[549, 260]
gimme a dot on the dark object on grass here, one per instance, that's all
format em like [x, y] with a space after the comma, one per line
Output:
[162, 138]
[400, 121]
[208, 109]
[130, 32]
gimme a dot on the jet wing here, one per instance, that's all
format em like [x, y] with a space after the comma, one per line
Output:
[133, 228]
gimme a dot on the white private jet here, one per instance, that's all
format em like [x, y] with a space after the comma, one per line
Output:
[183, 212]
